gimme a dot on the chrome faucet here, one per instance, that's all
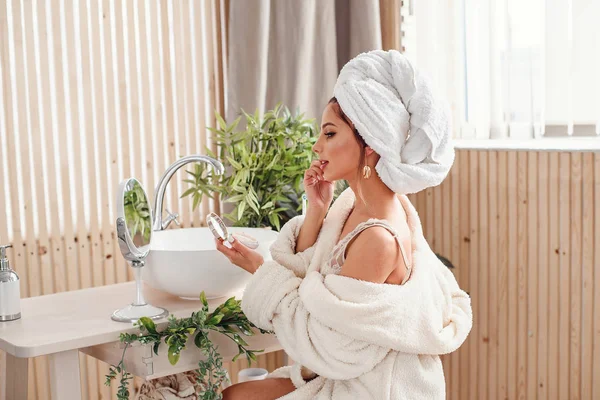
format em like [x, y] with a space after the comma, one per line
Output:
[158, 224]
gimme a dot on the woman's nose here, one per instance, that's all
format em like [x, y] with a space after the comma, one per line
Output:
[317, 146]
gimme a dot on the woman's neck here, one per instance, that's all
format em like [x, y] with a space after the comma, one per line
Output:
[377, 199]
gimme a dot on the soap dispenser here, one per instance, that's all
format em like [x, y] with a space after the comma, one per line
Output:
[10, 291]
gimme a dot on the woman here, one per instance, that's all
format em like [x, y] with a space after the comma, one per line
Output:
[354, 293]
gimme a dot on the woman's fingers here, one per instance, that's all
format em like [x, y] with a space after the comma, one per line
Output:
[315, 172]
[240, 247]
[229, 253]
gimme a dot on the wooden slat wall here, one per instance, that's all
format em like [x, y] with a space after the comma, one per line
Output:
[524, 235]
[92, 92]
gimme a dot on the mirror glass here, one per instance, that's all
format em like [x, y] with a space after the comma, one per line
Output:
[137, 214]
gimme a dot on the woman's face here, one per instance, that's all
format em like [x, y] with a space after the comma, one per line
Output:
[338, 146]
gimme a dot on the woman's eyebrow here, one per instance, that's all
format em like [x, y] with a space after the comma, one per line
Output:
[327, 124]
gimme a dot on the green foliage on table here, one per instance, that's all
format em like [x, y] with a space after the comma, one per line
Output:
[227, 319]
[264, 167]
[137, 212]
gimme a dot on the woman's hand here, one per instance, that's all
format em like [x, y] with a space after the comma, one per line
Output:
[240, 255]
[318, 190]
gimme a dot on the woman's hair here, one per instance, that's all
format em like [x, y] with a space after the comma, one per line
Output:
[363, 145]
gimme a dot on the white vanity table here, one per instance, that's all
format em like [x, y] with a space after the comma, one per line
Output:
[60, 325]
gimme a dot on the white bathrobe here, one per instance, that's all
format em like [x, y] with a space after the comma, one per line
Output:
[362, 340]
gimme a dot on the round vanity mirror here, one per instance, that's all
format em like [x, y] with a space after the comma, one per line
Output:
[219, 230]
[134, 233]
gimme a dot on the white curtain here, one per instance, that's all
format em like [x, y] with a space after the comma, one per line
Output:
[290, 51]
[518, 69]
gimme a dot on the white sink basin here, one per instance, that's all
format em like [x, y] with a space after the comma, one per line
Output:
[185, 262]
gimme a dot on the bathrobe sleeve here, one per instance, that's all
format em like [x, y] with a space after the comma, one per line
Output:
[274, 300]
[283, 250]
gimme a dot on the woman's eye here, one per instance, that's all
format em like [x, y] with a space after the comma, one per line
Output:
[329, 134]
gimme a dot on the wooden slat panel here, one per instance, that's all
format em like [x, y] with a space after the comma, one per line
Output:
[503, 260]
[564, 276]
[170, 88]
[12, 125]
[91, 381]
[161, 67]
[554, 273]
[76, 160]
[210, 89]
[596, 319]
[521, 275]
[4, 110]
[587, 286]
[196, 73]
[512, 275]
[445, 226]
[463, 270]
[483, 227]
[455, 257]
[121, 84]
[4, 106]
[37, 117]
[575, 267]
[77, 156]
[25, 81]
[472, 241]
[61, 68]
[107, 111]
[493, 306]
[220, 17]
[543, 252]
[530, 246]
[180, 103]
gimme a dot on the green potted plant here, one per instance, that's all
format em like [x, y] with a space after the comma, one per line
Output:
[227, 319]
[264, 167]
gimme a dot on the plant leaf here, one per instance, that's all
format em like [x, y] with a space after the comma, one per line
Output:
[173, 355]
[215, 319]
[203, 299]
[197, 199]
[188, 192]
[148, 324]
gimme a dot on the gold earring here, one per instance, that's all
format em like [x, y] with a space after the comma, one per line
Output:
[366, 172]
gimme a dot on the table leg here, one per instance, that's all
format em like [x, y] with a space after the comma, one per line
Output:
[64, 375]
[13, 380]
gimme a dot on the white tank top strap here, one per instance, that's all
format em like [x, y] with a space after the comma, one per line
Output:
[340, 252]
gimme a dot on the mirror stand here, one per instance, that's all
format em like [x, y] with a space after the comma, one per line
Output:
[139, 308]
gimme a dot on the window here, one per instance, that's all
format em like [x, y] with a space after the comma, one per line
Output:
[511, 68]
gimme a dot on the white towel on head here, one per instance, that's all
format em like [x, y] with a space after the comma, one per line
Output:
[385, 98]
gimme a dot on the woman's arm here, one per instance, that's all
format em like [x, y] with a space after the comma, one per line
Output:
[310, 229]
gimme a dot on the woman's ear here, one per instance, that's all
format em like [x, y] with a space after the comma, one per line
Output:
[369, 151]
